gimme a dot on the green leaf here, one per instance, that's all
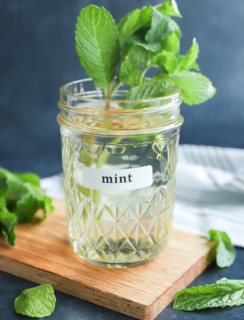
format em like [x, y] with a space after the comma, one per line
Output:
[166, 60]
[147, 90]
[172, 43]
[224, 293]
[189, 59]
[195, 87]
[97, 44]
[137, 40]
[161, 27]
[36, 302]
[130, 68]
[225, 252]
[26, 207]
[170, 8]
[8, 222]
[30, 177]
[134, 21]
[194, 66]
[3, 185]
[21, 199]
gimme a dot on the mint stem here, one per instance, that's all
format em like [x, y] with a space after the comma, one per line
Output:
[150, 65]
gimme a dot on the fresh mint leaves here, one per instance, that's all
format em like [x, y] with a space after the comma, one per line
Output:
[97, 44]
[147, 38]
[195, 87]
[20, 198]
[225, 252]
[161, 27]
[170, 8]
[223, 293]
[37, 302]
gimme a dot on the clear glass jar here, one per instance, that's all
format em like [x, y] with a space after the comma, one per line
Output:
[119, 172]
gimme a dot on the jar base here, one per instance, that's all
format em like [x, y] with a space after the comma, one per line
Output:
[117, 265]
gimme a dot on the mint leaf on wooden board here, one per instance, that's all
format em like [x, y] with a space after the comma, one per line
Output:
[8, 221]
[97, 44]
[223, 293]
[225, 251]
[170, 8]
[161, 27]
[195, 87]
[21, 196]
[36, 302]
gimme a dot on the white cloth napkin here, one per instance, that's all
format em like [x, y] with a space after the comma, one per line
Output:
[209, 190]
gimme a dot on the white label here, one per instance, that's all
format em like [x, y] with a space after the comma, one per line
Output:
[120, 179]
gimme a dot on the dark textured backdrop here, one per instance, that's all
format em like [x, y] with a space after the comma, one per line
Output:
[37, 56]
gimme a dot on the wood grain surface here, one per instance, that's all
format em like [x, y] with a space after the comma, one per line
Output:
[43, 254]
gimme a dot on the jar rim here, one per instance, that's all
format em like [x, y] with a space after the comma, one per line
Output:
[63, 90]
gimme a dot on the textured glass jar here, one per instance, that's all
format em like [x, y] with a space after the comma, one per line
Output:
[119, 173]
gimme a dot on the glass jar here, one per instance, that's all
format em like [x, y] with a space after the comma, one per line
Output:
[119, 172]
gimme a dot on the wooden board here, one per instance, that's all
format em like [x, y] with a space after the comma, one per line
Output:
[43, 254]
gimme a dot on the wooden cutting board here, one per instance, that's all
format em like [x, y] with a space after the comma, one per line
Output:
[43, 254]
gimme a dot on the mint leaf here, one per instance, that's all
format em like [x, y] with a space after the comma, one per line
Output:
[8, 222]
[195, 87]
[26, 207]
[134, 21]
[30, 177]
[36, 302]
[20, 198]
[148, 90]
[130, 68]
[224, 293]
[138, 40]
[189, 59]
[194, 66]
[170, 8]
[172, 43]
[3, 184]
[161, 27]
[225, 252]
[97, 44]
[166, 60]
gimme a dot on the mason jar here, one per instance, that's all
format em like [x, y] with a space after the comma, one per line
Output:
[119, 158]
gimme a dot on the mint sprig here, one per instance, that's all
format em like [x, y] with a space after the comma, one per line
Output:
[97, 44]
[223, 293]
[36, 302]
[143, 39]
[21, 196]
[225, 251]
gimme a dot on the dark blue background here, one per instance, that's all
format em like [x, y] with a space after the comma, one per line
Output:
[37, 56]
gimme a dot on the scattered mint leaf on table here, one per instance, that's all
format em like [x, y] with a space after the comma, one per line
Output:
[97, 44]
[225, 251]
[223, 293]
[21, 196]
[36, 302]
